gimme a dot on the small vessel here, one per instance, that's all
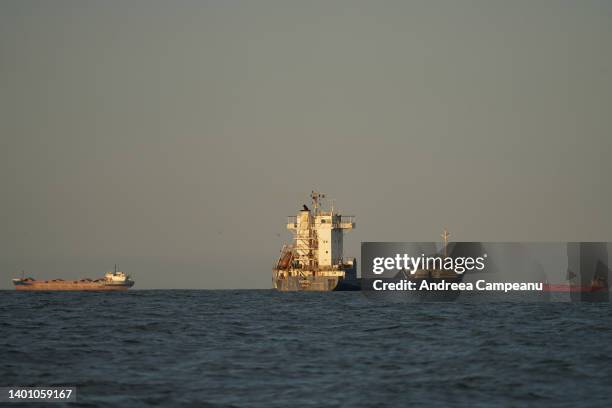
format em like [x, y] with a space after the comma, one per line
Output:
[314, 261]
[112, 281]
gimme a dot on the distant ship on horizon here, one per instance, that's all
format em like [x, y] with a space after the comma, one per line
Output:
[112, 281]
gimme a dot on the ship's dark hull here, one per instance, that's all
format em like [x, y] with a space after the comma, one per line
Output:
[348, 285]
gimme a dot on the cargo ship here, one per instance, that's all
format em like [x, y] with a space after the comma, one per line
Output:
[314, 261]
[112, 281]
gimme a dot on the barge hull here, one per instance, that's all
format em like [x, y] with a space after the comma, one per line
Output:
[65, 286]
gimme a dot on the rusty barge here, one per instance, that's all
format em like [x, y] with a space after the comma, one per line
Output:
[112, 281]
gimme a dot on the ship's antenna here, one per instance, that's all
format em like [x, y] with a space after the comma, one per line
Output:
[445, 236]
[316, 197]
[115, 269]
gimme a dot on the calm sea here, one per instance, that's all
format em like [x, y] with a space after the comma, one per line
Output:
[259, 348]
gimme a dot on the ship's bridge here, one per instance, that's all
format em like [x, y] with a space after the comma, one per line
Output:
[324, 219]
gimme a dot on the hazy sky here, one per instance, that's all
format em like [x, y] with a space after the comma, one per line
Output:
[174, 137]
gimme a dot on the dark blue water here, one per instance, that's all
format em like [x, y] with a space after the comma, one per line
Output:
[266, 349]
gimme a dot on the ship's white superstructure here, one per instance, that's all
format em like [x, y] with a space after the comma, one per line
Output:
[116, 277]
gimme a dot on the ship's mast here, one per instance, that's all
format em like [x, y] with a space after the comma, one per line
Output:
[316, 201]
[445, 236]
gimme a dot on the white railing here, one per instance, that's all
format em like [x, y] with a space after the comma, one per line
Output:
[347, 219]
